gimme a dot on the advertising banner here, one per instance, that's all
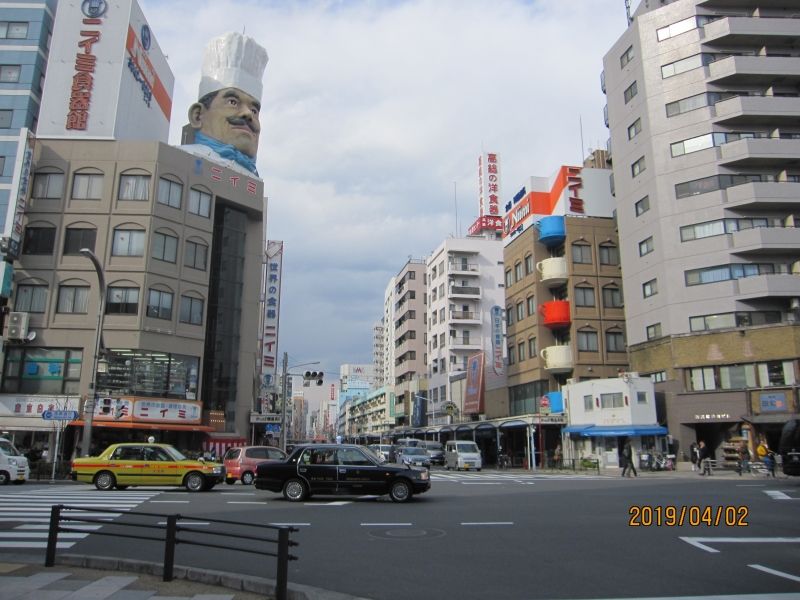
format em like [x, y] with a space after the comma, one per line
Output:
[473, 397]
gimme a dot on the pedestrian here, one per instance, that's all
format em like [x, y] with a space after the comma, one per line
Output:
[704, 459]
[694, 453]
[769, 462]
[627, 453]
[558, 456]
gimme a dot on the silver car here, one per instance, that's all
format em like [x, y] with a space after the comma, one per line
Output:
[414, 456]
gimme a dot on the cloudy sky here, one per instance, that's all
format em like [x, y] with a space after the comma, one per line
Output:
[374, 114]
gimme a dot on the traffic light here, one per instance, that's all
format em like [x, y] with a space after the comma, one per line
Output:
[313, 376]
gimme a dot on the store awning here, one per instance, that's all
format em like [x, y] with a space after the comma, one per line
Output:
[465, 428]
[616, 430]
[486, 426]
[769, 419]
[28, 424]
[148, 426]
[514, 423]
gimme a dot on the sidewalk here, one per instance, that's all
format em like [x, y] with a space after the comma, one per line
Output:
[76, 577]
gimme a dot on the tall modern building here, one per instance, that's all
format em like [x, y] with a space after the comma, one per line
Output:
[703, 107]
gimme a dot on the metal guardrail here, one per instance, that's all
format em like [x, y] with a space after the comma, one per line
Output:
[171, 538]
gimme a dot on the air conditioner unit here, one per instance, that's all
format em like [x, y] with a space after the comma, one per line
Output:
[18, 325]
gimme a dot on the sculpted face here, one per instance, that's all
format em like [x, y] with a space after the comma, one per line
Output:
[231, 117]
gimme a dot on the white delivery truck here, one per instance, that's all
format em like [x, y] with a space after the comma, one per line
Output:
[13, 465]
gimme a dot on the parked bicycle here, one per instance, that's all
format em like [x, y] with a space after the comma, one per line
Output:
[503, 461]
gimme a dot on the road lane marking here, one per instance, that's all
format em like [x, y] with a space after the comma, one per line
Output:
[700, 542]
[386, 524]
[238, 493]
[36, 545]
[71, 526]
[169, 501]
[335, 503]
[778, 495]
[290, 524]
[481, 483]
[243, 502]
[774, 572]
[27, 535]
[489, 523]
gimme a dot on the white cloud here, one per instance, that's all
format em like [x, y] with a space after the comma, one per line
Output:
[373, 112]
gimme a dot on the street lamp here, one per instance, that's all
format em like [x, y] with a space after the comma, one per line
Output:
[283, 394]
[91, 399]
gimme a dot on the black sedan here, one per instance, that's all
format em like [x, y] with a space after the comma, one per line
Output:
[339, 469]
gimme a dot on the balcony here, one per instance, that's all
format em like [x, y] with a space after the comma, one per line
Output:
[553, 271]
[760, 153]
[465, 317]
[462, 291]
[555, 314]
[465, 343]
[765, 195]
[743, 111]
[755, 70]
[747, 31]
[781, 285]
[557, 359]
[766, 241]
[458, 267]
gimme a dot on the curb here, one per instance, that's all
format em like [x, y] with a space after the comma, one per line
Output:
[241, 583]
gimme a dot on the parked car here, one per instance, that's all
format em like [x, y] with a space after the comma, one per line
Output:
[417, 456]
[240, 463]
[436, 452]
[339, 469]
[462, 454]
[790, 447]
[123, 465]
[383, 450]
[13, 465]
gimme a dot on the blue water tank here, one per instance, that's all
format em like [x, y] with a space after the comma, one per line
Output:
[556, 402]
[552, 230]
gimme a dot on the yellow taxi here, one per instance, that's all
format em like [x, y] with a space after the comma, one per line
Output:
[123, 465]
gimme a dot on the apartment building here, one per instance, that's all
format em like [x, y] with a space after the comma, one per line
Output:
[703, 108]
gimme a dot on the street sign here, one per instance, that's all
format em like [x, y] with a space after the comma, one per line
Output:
[60, 415]
[544, 405]
[264, 418]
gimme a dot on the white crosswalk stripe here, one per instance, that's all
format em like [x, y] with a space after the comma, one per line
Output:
[30, 510]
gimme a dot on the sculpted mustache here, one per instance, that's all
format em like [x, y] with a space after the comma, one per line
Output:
[236, 121]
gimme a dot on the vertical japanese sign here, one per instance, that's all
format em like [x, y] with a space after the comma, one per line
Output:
[20, 185]
[80, 98]
[489, 184]
[498, 364]
[473, 397]
[272, 298]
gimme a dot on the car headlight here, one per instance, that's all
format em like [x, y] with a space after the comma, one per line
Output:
[424, 475]
[13, 461]
[218, 470]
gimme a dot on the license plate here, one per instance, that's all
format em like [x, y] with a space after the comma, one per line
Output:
[467, 464]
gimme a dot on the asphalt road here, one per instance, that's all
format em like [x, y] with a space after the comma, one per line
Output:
[490, 535]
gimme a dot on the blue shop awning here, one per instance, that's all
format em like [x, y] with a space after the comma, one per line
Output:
[616, 430]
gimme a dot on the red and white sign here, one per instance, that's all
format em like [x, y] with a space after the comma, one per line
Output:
[489, 184]
[151, 410]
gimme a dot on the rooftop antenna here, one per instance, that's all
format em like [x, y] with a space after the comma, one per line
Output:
[580, 124]
[628, 11]
[455, 203]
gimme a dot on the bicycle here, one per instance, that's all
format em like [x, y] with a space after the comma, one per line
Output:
[503, 461]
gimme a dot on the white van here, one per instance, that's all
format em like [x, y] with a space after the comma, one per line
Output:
[13, 465]
[462, 454]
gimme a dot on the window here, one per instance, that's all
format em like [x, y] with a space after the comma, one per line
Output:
[612, 400]
[626, 57]
[701, 379]
[532, 352]
[122, 301]
[658, 376]
[87, 186]
[511, 355]
[48, 186]
[73, 299]
[165, 247]
[9, 73]
[169, 192]
[5, 118]
[734, 319]
[128, 242]
[520, 311]
[521, 351]
[609, 255]
[646, 246]
[509, 316]
[45, 371]
[30, 298]
[641, 397]
[650, 288]
[653, 331]
[200, 203]
[518, 272]
[134, 187]
[531, 306]
[528, 264]
[737, 377]
[615, 341]
[191, 310]
[642, 206]
[587, 341]
[634, 129]
[638, 167]
[582, 254]
[13, 30]
[733, 271]
[588, 403]
[76, 238]
[698, 101]
[509, 280]
[584, 296]
[630, 92]
[714, 183]
[687, 64]
[612, 297]
[39, 240]
[721, 226]
[159, 304]
[682, 27]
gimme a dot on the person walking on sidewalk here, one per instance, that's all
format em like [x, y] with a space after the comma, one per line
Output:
[694, 455]
[704, 459]
[627, 454]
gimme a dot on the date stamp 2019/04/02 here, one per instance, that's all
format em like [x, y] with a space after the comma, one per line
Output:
[692, 515]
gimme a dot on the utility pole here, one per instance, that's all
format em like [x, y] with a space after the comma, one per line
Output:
[284, 402]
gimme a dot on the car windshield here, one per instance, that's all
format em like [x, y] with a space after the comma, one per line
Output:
[231, 454]
[175, 453]
[435, 446]
[467, 447]
[414, 451]
[8, 448]
[373, 452]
